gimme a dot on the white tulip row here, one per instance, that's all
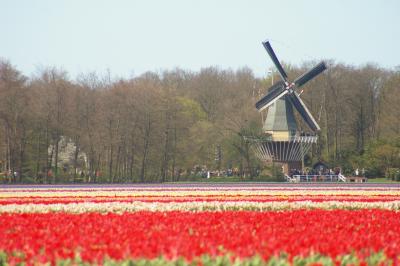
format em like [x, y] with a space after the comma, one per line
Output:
[119, 207]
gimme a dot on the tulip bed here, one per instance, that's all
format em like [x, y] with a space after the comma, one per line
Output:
[197, 224]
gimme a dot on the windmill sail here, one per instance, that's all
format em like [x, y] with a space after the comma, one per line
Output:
[304, 112]
[312, 73]
[278, 65]
[275, 92]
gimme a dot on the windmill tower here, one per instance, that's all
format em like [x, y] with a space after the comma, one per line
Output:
[282, 141]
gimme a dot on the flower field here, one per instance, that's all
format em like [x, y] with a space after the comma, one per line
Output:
[198, 224]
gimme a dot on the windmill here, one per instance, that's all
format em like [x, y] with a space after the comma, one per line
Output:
[282, 141]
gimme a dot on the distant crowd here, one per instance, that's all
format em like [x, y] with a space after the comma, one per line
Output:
[327, 171]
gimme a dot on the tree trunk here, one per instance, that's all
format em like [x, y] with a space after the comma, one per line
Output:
[57, 141]
[146, 141]
[38, 156]
[76, 153]
[164, 163]
[174, 157]
[131, 163]
[21, 156]
[117, 170]
[110, 164]
[8, 152]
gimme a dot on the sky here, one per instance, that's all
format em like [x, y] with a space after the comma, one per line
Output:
[129, 38]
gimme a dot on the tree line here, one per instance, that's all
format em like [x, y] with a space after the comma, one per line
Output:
[160, 126]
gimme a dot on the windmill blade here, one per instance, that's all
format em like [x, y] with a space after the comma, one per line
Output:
[304, 112]
[278, 65]
[275, 92]
[315, 71]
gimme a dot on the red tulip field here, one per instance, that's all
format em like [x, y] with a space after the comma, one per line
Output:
[251, 224]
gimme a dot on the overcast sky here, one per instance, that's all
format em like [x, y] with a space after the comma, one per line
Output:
[131, 37]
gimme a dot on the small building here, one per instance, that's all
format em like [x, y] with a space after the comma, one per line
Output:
[356, 179]
[66, 155]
